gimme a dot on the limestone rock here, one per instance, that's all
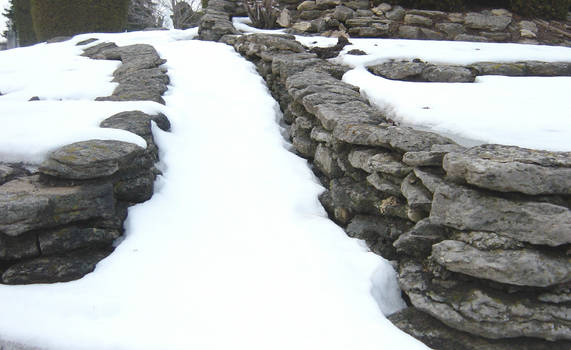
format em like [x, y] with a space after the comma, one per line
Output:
[487, 22]
[533, 222]
[408, 32]
[399, 138]
[437, 335]
[430, 180]
[548, 69]
[385, 184]
[523, 267]
[405, 70]
[430, 158]
[448, 74]
[71, 238]
[99, 52]
[451, 29]
[375, 161]
[356, 197]
[343, 13]
[484, 312]
[378, 232]
[14, 248]
[26, 205]
[417, 196]
[331, 115]
[493, 68]
[326, 161]
[93, 159]
[418, 241]
[396, 14]
[136, 189]
[471, 38]
[512, 169]
[417, 20]
[284, 18]
[488, 240]
[54, 269]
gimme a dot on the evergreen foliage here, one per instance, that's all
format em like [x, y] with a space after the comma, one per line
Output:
[20, 20]
[541, 8]
[69, 17]
[142, 14]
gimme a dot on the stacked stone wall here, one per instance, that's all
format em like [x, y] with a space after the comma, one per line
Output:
[61, 218]
[481, 235]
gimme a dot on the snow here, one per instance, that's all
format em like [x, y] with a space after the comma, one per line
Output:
[532, 112]
[233, 251]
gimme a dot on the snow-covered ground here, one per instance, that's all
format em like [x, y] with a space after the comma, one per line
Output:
[233, 251]
[533, 112]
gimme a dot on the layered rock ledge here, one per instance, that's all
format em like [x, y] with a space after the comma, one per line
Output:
[481, 236]
[60, 219]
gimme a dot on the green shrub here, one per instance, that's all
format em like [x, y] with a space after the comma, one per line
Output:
[442, 5]
[22, 22]
[541, 8]
[69, 17]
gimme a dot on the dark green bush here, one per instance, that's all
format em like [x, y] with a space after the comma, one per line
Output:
[22, 22]
[69, 17]
[541, 8]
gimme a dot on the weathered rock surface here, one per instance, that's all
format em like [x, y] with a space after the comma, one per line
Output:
[378, 232]
[437, 335]
[467, 209]
[487, 22]
[523, 267]
[54, 269]
[94, 159]
[71, 238]
[484, 312]
[15, 248]
[512, 169]
[418, 241]
[27, 205]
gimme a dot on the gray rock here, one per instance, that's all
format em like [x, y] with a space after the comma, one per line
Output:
[71, 238]
[471, 38]
[394, 206]
[355, 197]
[357, 4]
[284, 19]
[488, 240]
[135, 57]
[395, 70]
[327, 4]
[497, 37]
[99, 52]
[556, 298]
[326, 161]
[488, 313]
[466, 209]
[486, 22]
[378, 232]
[417, 20]
[309, 15]
[6, 172]
[307, 6]
[437, 335]
[128, 92]
[430, 180]
[319, 134]
[523, 267]
[451, 29]
[332, 115]
[448, 74]
[431, 34]
[512, 169]
[94, 159]
[28, 205]
[375, 161]
[548, 69]
[430, 158]
[418, 241]
[417, 196]
[408, 32]
[493, 68]
[401, 139]
[396, 14]
[54, 269]
[137, 122]
[214, 25]
[142, 77]
[20, 247]
[385, 184]
[343, 13]
[135, 189]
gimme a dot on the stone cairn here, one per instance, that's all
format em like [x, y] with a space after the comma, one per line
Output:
[480, 236]
[59, 220]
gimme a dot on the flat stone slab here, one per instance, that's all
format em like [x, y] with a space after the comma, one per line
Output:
[26, 205]
[384, 135]
[522, 267]
[92, 159]
[512, 169]
[469, 210]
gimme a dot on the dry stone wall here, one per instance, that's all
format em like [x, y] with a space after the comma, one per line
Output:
[481, 236]
[60, 219]
[359, 18]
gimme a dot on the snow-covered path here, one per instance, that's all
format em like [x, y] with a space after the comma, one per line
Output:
[232, 252]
